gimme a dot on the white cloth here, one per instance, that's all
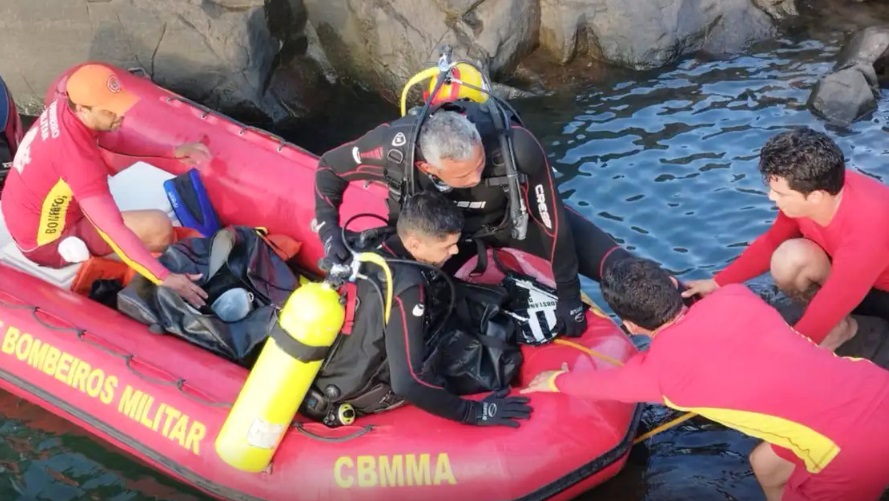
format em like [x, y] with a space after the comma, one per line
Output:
[73, 250]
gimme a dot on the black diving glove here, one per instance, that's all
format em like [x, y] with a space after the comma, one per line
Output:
[571, 317]
[499, 410]
[335, 250]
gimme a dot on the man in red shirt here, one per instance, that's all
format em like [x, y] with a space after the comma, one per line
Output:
[733, 359]
[829, 245]
[58, 185]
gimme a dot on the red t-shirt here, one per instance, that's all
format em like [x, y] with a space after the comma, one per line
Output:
[857, 241]
[58, 166]
[733, 359]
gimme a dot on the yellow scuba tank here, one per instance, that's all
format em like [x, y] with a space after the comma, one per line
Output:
[307, 326]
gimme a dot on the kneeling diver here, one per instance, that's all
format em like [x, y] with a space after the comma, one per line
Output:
[375, 369]
[474, 148]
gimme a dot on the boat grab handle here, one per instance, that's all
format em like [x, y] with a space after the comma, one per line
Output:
[363, 431]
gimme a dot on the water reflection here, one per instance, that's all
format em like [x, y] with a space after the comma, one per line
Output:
[44, 457]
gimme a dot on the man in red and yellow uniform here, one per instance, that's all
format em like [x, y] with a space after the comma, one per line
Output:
[58, 186]
[733, 359]
[829, 244]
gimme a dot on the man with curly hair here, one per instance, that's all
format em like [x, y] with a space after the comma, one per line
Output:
[829, 245]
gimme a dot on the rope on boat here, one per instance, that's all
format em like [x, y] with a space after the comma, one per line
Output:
[645, 436]
[129, 359]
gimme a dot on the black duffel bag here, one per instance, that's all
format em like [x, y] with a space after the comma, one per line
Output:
[476, 350]
[233, 257]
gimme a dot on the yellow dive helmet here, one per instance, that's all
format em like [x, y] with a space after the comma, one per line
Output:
[452, 89]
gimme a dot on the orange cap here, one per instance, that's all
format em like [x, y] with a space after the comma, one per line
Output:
[97, 85]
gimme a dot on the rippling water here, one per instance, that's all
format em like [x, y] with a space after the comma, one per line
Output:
[666, 163]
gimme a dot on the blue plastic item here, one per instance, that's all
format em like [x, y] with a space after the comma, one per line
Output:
[191, 204]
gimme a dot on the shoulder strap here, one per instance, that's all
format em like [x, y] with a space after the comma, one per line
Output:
[482, 263]
[395, 158]
[350, 292]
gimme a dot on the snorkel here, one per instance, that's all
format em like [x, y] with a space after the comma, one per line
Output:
[518, 212]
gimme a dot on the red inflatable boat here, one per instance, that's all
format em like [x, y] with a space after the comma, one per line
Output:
[164, 400]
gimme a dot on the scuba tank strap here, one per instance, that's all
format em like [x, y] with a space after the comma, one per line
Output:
[482, 263]
[395, 175]
[350, 294]
[394, 170]
[296, 348]
[498, 263]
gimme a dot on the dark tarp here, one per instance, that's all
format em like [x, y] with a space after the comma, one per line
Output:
[235, 256]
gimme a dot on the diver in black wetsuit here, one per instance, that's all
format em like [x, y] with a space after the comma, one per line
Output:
[460, 153]
[372, 370]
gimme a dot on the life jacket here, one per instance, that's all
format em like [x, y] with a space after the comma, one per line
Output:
[486, 205]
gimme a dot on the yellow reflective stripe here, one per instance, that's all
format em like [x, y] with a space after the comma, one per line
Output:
[816, 450]
[54, 212]
[129, 262]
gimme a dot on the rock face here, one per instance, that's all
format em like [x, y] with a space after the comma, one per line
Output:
[381, 44]
[851, 90]
[384, 42]
[276, 58]
[220, 52]
[778, 9]
[651, 33]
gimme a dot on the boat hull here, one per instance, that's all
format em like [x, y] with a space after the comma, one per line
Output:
[163, 400]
